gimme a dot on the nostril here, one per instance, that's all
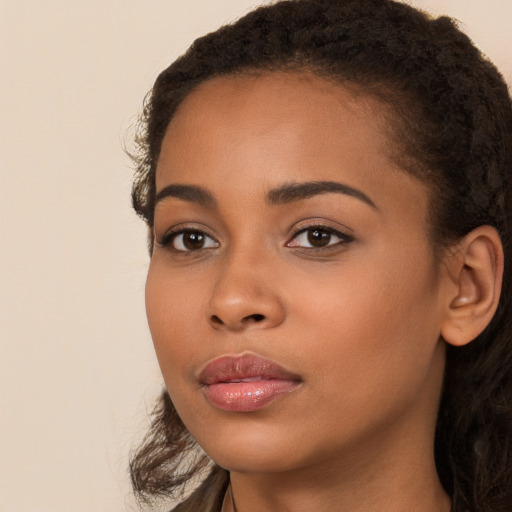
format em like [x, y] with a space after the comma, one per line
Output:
[217, 320]
[255, 318]
[237, 323]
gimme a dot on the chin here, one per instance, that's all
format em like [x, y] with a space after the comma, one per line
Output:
[251, 450]
[257, 460]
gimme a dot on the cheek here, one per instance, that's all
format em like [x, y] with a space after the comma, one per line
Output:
[371, 327]
[173, 316]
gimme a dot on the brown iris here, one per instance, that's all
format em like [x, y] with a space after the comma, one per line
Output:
[193, 240]
[319, 237]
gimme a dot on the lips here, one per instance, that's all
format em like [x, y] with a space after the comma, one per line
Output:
[245, 383]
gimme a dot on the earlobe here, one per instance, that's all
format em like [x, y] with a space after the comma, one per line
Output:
[477, 271]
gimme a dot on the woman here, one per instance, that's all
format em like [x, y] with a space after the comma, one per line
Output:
[326, 186]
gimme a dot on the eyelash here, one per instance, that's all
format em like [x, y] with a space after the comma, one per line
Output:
[171, 236]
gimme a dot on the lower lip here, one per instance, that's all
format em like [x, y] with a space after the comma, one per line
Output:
[247, 396]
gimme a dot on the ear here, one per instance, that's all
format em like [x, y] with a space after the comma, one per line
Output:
[476, 270]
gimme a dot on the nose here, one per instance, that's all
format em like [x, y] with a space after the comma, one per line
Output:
[245, 296]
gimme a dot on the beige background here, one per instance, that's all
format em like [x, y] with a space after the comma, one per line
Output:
[77, 371]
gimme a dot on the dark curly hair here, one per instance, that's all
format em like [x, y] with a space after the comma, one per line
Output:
[453, 129]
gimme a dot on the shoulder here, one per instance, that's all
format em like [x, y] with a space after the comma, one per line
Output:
[209, 495]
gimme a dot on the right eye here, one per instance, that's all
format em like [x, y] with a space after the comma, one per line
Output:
[188, 240]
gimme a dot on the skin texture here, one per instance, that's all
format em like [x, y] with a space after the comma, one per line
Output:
[359, 321]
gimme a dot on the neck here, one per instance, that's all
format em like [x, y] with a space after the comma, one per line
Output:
[420, 491]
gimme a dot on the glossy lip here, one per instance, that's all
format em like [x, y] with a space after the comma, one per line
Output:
[245, 383]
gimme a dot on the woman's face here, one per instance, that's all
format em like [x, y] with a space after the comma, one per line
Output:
[293, 297]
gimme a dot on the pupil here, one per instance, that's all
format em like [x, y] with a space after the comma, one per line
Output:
[193, 240]
[318, 238]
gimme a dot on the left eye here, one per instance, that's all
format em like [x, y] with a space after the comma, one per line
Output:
[318, 237]
[192, 241]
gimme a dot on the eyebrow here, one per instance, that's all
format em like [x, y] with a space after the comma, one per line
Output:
[192, 193]
[292, 192]
[287, 193]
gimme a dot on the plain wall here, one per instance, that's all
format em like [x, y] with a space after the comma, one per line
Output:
[77, 370]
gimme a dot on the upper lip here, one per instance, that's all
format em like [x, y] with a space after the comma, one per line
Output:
[236, 368]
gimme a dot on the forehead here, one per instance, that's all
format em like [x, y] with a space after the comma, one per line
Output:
[290, 90]
[278, 97]
[243, 135]
[281, 108]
